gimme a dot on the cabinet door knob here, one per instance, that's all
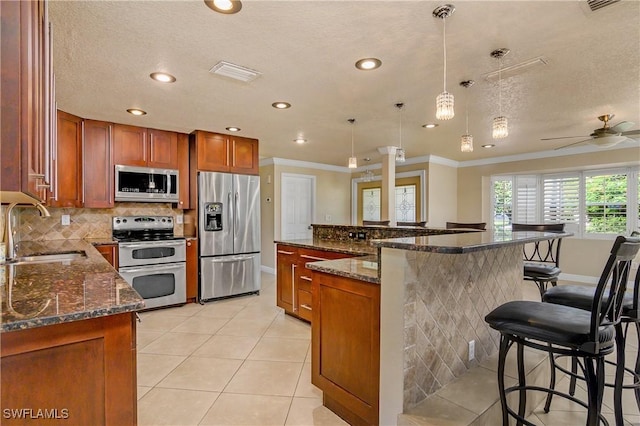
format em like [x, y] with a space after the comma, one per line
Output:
[181, 202]
[189, 243]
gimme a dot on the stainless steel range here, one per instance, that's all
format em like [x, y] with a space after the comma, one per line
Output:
[151, 258]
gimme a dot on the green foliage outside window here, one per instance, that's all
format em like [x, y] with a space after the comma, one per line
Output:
[606, 203]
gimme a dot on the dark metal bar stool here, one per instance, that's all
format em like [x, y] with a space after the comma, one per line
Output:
[542, 258]
[582, 297]
[477, 225]
[565, 330]
[375, 222]
[423, 224]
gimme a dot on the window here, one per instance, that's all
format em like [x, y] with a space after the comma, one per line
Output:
[406, 203]
[408, 199]
[590, 203]
[371, 204]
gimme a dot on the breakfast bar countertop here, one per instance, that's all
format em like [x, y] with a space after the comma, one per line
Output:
[358, 249]
[40, 294]
[467, 242]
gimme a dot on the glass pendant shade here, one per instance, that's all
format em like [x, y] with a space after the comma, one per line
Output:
[466, 143]
[367, 176]
[444, 106]
[353, 163]
[400, 155]
[500, 127]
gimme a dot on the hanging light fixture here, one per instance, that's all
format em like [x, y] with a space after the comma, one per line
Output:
[367, 175]
[353, 161]
[466, 142]
[500, 126]
[444, 101]
[399, 150]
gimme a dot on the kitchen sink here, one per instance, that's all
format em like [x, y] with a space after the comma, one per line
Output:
[46, 258]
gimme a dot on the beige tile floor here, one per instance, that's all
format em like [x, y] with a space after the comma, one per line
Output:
[241, 361]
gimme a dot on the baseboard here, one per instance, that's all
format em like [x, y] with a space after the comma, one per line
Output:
[267, 269]
[579, 278]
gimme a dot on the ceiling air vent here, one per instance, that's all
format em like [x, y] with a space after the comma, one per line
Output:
[234, 71]
[599, 4]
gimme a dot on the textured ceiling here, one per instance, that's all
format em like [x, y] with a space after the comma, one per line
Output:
[104, 52]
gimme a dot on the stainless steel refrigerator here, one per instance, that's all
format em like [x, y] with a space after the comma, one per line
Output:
[229, 234]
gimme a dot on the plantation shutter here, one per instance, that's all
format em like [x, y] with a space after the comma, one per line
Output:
[561, 199]
[526, 200]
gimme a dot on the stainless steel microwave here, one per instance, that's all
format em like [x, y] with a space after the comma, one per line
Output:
[145, 184]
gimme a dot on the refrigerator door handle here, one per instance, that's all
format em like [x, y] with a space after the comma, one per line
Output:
[233, 259]
[236, 224]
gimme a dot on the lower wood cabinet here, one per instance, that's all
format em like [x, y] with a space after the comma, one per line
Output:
[192, 270]
[294, 279]
[82, 372]
[109, 252]
[345, 345]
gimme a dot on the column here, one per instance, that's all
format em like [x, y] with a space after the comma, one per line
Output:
[387, 201]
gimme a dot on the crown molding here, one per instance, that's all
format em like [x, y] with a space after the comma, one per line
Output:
[304, 164]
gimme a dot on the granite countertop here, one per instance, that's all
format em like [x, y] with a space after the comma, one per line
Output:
[348, 247]
[363, 268]
[41, 294]
[467, 242]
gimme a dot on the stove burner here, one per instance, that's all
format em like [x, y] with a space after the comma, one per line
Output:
[142, 228]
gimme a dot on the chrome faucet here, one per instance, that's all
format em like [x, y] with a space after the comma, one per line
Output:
[8, 226]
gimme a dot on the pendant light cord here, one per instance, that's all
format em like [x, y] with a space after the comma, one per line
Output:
[400, 127]
[444, 43]
[500, 86]
[467, 111]
[352, 140]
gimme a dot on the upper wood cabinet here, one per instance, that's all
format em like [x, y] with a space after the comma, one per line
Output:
[67, 162]
[27, 97]
[183, 172]
[98, 165]
[137, 146]
[216, 152]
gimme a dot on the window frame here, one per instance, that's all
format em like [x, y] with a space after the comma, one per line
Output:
[579, 230]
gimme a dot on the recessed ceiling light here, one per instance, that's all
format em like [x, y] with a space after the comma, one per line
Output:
[136, 111]
[367, 64]
[489, 145]
[429, 125]
[162, 77]
[299, 141]
[281, 105]
[224, 6]
[233, 129]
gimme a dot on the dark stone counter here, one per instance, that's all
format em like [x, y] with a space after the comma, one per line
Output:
[363, 268]
[41, 294]
[347, 247]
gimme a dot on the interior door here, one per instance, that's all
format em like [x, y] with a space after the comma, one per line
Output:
[298, 206]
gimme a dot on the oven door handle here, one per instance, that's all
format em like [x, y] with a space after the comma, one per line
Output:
[153, 244]
[152, 268]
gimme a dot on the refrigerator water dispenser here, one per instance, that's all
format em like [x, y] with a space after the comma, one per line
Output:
[213, 216]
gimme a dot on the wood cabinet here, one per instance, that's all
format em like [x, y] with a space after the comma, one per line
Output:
[138, 146]
[27, 96]
[294, 279]
[67, 162]
[345, 345]
[184, 201]
[109, 252]
[216, 152]
[98, 164]
[192, 270]
[94, 379]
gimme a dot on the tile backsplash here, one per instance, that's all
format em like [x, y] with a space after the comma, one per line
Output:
[85, 223]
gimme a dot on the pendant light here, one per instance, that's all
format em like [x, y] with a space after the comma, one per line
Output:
[466, 142]
[500, 126]
[367, 175]
[444, 101]
[400, 158]
[353, 161]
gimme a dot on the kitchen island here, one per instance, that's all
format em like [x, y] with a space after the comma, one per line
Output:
[431, 299]
[68, 342]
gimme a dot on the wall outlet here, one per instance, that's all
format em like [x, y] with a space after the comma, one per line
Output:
[179, 219]
[327, 218]
[472, 350]
[65, 220]
[352, 235]
[362, 235]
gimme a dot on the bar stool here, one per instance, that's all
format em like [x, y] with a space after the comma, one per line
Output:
[476, 225]
[542, 259]
[583, 297]
[566, 330]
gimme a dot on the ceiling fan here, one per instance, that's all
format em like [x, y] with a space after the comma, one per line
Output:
[605, 136]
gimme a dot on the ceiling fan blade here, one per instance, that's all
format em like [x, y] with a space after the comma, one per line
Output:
[573, 144]
[564, 137]
[631, 133]
[623, 126]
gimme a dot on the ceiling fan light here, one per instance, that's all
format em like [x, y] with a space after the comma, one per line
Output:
[500, 127]
[608, 141]
[466, 143]
[444, 106]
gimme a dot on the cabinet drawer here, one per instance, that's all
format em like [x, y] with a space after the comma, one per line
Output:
[304, 279]
[304, 303]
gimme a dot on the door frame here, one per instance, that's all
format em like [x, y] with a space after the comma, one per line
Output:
[423, 193]
[283, 178]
